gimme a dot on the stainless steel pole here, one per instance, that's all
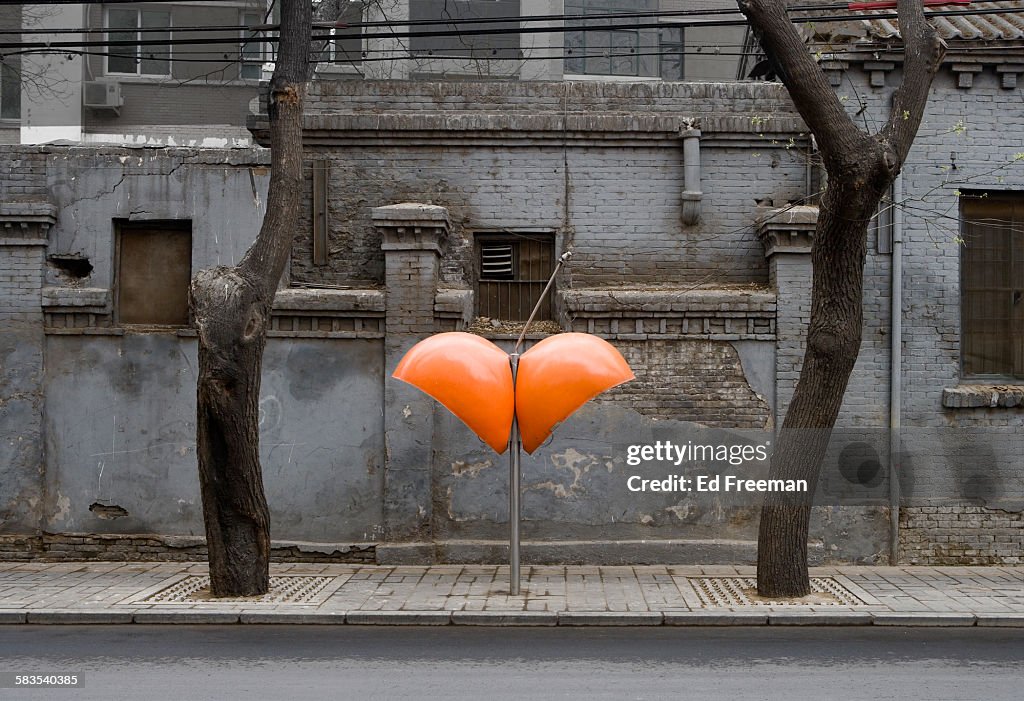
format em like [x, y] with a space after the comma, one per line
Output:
[514, 448]
[515, 444]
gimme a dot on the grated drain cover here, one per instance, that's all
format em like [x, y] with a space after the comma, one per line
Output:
[742, 591]
[284, 589]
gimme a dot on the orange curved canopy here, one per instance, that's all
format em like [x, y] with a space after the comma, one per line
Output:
[558, 376]
[470, 376]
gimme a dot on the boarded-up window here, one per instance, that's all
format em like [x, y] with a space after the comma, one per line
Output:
[154, 267]
[512, 270]
[992, 285]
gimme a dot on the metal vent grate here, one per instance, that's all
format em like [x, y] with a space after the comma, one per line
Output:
[284, 589]
[742, 591]
[496, 261]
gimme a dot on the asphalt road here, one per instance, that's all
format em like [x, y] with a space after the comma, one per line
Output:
[191, 663]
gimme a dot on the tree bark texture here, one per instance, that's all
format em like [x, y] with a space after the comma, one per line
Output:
[231, 307]
[860, 169]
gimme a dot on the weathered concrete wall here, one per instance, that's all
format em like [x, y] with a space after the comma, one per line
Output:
[99, 438]
[120, 428]
[222, 193]
[23, 234]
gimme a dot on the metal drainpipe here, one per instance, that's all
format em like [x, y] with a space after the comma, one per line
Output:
[691, 195]
[895, 369]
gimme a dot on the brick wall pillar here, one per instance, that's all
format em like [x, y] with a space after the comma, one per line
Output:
[412, 236]
[787, 234]
[23, 231]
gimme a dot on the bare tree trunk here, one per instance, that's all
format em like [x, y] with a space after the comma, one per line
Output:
[231, 307]
[860, 168]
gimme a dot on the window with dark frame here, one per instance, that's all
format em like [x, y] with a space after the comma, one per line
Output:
[512, 270]
[10, 88]
[154, 268]
[123, 24]
[992, 285]
[619, 46]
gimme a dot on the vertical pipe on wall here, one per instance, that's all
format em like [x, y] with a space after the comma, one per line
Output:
[691, 195]
[895, 369]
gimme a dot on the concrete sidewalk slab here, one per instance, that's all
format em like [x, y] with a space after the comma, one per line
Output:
[478, 595]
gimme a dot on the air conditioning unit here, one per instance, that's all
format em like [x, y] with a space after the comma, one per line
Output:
[102, 95]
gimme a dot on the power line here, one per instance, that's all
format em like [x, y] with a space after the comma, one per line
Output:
[502, 31]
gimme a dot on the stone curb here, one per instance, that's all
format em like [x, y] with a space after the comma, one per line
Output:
[76, 617]
[515, 618]
[610, 618]
[399, 618]
[1001, 620]
[505, 618]
[292, 617]
[186, 617]
[925, 618]
[819, 618]
[711, 618]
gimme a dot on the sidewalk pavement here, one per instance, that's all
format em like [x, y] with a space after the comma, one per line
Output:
[174, 592]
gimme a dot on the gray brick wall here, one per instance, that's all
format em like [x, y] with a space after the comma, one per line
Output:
[960, 535]
[699, 381]
[563, 157]
[977, 129]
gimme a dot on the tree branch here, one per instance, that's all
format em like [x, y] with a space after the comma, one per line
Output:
[265, 260]
[923, 51]
[812, 95]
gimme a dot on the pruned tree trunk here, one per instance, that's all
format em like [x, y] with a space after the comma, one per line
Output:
[860, 168]
[231, 307]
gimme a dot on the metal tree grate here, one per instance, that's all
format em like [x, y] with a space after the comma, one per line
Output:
[742, 591]
[284, 589]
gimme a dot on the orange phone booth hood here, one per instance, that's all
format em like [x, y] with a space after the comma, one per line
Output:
[472, 378]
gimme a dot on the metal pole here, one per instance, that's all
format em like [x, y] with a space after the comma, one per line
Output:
[562, 260]
[896, 370]
[515, 444]
[514, 447]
